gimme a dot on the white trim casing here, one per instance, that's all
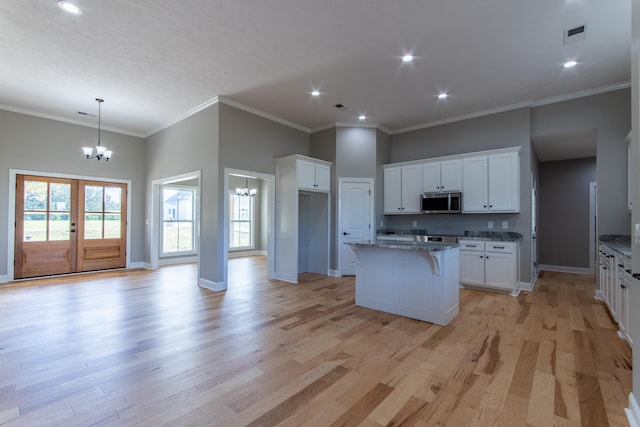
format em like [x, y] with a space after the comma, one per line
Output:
[5, 279]
[633, 411]
[333, 273]
[139, 264]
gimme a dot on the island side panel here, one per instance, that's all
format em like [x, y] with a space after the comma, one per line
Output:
[404, 282]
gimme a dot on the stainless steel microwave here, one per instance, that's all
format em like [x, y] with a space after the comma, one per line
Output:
[441, 203]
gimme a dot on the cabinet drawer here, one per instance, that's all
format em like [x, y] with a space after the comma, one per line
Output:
[503, 247]
[471, 245]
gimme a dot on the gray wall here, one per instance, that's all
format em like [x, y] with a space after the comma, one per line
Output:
[251, 143]
[383, 156]
[49, 146]
[187, 146]
[563, 202]
[610, 114]
[508, 129]
[324, 147]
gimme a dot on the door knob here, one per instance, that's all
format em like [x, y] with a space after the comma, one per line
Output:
[345, 233]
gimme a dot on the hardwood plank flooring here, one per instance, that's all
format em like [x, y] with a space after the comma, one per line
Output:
[152, 348]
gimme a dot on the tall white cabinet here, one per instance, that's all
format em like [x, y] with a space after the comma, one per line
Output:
[491, 183]
[303, 186]
[402, 188]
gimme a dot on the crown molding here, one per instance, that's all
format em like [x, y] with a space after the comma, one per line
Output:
[580, 94]
[183, 116]
[262, 114]
[464, 117]
[68, 120]
[352, 125]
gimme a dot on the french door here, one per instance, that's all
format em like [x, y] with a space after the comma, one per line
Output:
[68, 225]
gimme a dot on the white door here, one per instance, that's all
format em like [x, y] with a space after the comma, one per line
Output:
[431, 177]
[355, 220]
[392, 189]
[411, 188]
[474, 184]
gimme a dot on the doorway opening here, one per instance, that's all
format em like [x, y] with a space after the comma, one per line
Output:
[249, 221]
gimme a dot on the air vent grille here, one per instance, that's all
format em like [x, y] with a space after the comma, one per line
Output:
[575, 34]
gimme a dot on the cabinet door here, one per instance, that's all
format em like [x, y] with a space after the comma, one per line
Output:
[392, 186]
[451, 175]
[472, 268]
[474, 184]
[323, 177]
[411, 186]
[306, 175]
[504, 182]
[431, 177]
[500, 270]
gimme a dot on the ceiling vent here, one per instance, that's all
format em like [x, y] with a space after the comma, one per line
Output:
[340, 107]
[575, 34]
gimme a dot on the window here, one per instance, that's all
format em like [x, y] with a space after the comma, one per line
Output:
[241, 217]
[178, 206]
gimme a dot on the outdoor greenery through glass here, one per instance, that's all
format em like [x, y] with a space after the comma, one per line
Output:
[102, 207]
[177, 220]
[241, 214]
[47, 211]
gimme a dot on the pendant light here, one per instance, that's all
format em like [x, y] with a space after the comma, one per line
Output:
[102, 152]
[246, 191]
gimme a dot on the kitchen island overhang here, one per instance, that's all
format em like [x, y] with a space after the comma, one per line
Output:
[416, 280]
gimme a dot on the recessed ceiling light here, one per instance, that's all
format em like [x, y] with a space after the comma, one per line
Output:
[315, 93]
[407, 58]
[69, 7]
[442, 96]
[362, 117]
[570, 64]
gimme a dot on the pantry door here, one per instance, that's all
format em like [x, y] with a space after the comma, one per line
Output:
[68, 225]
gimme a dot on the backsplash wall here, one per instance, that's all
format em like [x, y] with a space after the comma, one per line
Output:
[449, 224]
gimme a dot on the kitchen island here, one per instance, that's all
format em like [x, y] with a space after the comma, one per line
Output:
[417, 280]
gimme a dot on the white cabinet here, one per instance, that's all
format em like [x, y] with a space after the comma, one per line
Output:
[615, 283]
[488, 264]
[402, 188]
[314, 175]
[491, 183]
[442, 176]
[302, 223]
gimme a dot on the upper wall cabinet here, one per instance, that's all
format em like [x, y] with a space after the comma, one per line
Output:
[314, 175]
[442, 176]
[491, 183]
[402, 188]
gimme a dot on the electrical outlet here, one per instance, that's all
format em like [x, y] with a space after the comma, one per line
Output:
[381, 224]
[505, 224]
[490, 224]
[415, 223]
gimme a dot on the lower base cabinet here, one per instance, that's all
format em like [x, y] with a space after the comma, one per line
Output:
[488, 264]
[615, 283]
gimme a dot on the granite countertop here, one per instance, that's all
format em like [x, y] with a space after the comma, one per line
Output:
[618, 242]
[500, 236]
[411, 246]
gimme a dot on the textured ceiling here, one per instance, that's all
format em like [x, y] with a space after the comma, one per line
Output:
[155, 61]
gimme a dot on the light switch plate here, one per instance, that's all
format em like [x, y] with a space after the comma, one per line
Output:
[490, 224]
[505, 224]
[415, 223]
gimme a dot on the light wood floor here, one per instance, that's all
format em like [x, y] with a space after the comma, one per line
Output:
[151, 348]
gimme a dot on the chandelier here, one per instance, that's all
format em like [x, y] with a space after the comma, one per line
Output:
[102, 152]
[246, 191]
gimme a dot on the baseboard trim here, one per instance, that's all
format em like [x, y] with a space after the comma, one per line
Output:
[5, 279]
[599, 295]
[286, 277]
[139, 264]
[211, 285]
[564, 269]
[246, 253]
[182, 260]
[333, 273]
[633, 411]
